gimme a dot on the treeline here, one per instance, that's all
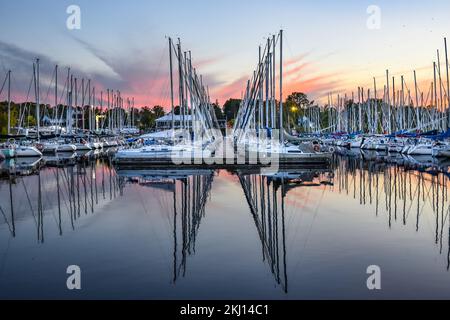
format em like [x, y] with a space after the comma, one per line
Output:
[295, 106]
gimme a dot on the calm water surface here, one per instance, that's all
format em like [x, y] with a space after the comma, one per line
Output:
[219, 234]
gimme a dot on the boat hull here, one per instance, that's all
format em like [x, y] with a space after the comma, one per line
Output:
[27, 152]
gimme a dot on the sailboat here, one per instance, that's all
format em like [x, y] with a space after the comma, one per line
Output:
[259, 117]
[197, 134]
[25, 148]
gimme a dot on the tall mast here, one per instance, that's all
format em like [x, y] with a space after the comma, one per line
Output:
[89, 105]
[281, 87]
[185, 86]
[394, 101]
[448, 82]
[440, 85]
[402, 104]
[181, 89]
[71, 101]
[101, 110]
[82, 102]
[108, 111]
[417, 102]
[260, 92]
[55, 113]
[274, 124]
[9, 101]
[376, 105]
[94, 122]
[267, 83]
[171, 85]
[388, 101]
[190, 95]
[37, 99]
[76, 103]
[67, 102]
[435, 95]
[359, 109]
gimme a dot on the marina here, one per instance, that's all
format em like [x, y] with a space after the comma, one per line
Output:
[227, 156]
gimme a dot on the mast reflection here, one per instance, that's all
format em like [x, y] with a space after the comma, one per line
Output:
[60, 193]
[266, 197]
[404, 189]
[190, 191]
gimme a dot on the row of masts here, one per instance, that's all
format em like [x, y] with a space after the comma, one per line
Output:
[399, 108]
[197, 114]
[258, 109]
[114, 114]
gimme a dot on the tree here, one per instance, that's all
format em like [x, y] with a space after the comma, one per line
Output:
[146, 118]
[231, 107]
[158, 111]
[299, 99]
[218, 111]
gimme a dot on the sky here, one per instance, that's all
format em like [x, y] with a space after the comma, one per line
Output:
[122, 45]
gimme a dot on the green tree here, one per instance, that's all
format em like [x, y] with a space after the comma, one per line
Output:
[218, 111]
[299, 99]
[231, 108]
[158, 111]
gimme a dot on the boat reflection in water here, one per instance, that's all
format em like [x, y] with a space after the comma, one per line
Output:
[266, 196]
[404, 193]
[64, 192]
[185, 233]
[190, 190]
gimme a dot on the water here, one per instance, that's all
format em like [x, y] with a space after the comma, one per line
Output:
[225, 235]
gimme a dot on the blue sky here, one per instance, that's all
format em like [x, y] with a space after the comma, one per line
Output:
[122, 44]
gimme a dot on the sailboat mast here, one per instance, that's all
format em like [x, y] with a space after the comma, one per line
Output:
[448, 82]
[281, 87]
[9, 101]
[267, 83]
[435, 96]
[375, 128]
[440, 85]
[417, 102]
[274, 124]
[93, 110]
[67, 102]
[82, 102]
[37, 99]
[388, 101]
[108, 110]
[171, 84]
[101, 111]
[89, 105]
[55, 112]
[76, 103]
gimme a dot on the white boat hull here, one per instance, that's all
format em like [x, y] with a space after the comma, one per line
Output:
[25, 151]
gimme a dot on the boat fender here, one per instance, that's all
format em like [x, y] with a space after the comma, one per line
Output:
[317, 148]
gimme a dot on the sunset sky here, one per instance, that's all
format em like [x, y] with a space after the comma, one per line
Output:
[122, 44]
